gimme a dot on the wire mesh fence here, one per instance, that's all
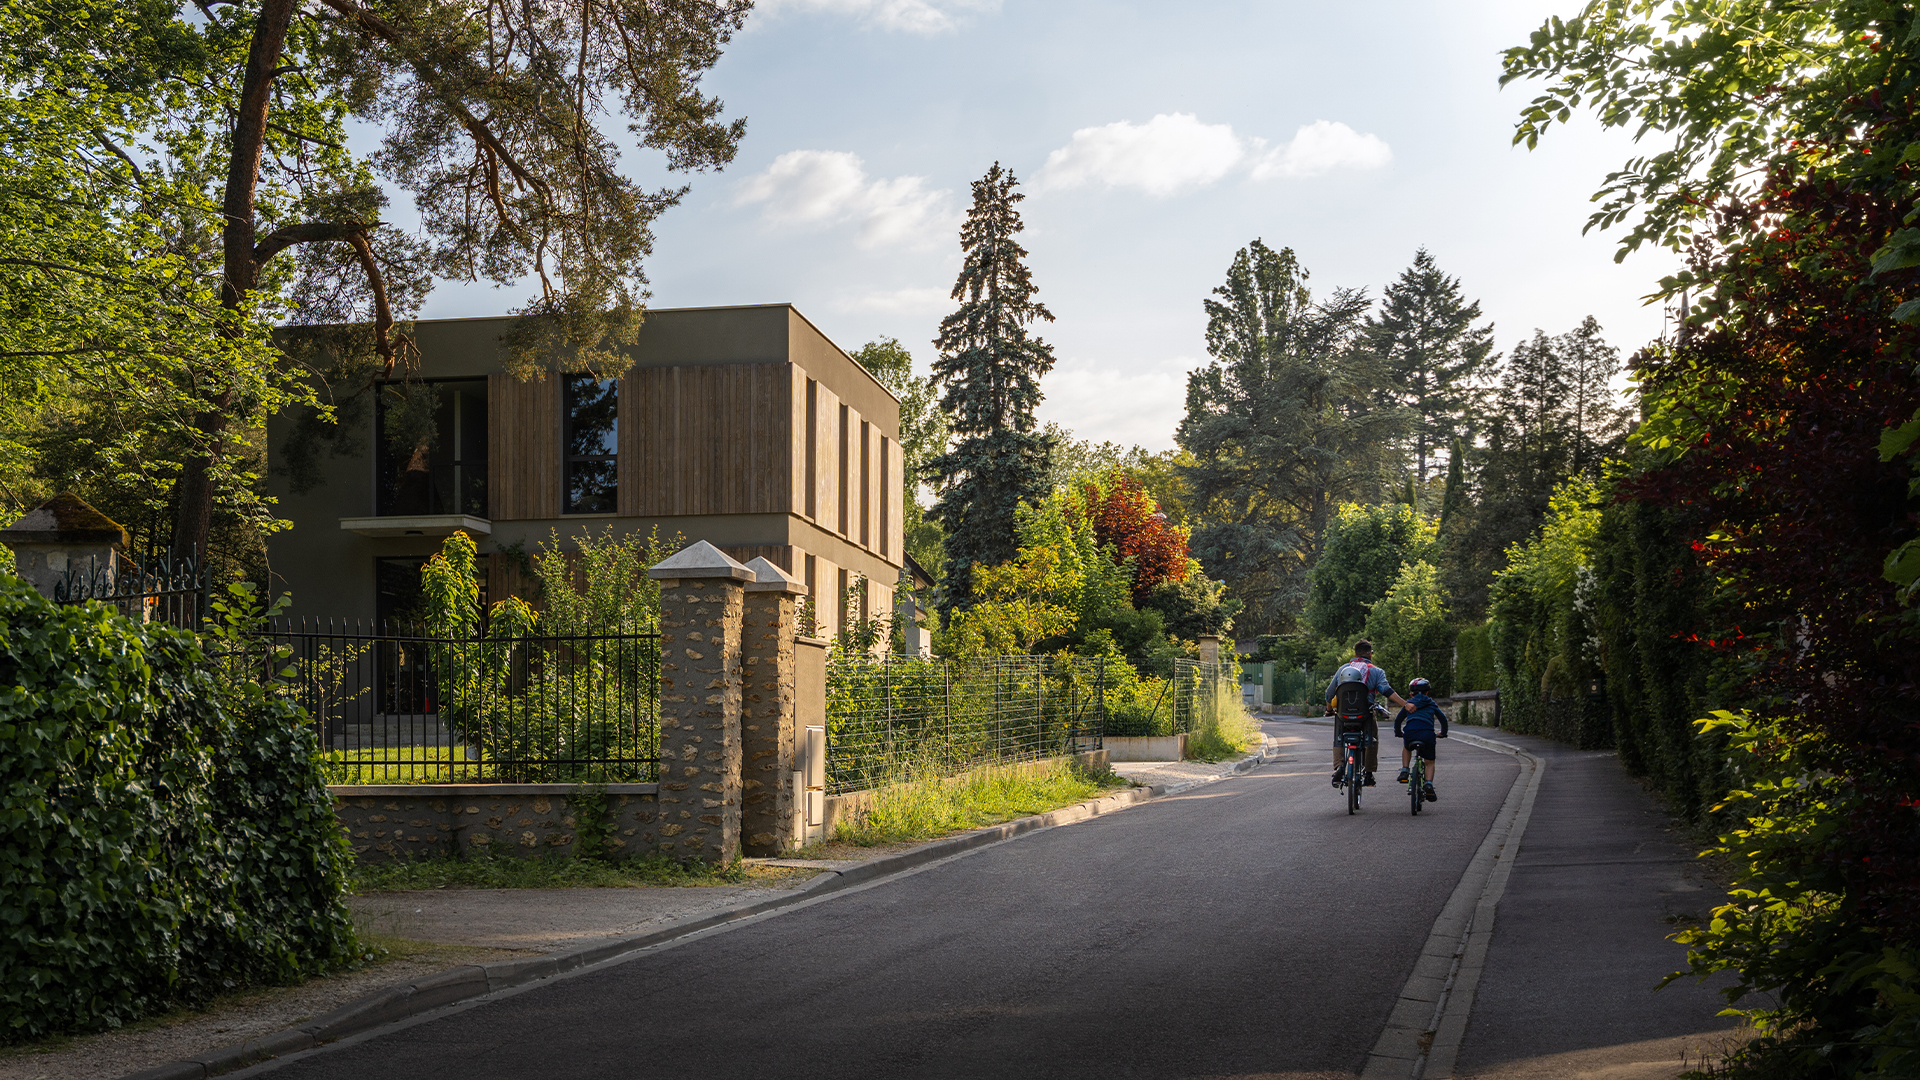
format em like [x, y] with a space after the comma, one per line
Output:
[1172, 697]
[892, 718]
[409, 707]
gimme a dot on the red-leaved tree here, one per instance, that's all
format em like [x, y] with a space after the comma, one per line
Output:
[1125, 516]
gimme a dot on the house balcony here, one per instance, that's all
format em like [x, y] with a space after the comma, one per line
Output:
[417, 525]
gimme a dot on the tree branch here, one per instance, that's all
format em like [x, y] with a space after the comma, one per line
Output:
[377, 27]
[382, 313]
[311, 232]
[302, 136]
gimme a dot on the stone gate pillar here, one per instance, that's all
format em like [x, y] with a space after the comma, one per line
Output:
[768, 733]
[701, 601]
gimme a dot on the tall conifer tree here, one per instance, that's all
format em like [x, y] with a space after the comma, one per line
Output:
[990, 369]
[1427, 341]
[1284, 425]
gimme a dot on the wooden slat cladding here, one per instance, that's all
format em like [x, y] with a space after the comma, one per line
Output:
[523, 447]
[826, 459]
[780, 555]
[707, 440]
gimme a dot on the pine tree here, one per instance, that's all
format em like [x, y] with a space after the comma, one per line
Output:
[990, 370]
[1426, 339]
[1555, 416]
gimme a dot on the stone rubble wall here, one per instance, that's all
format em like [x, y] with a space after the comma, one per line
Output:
[400, 822]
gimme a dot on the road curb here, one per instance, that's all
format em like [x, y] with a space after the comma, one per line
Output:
[477, 980]
[1423, 1034]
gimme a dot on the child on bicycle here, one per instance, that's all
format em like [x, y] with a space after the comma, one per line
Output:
[1414, 725]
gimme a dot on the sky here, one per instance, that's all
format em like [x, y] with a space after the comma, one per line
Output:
[1153, 140]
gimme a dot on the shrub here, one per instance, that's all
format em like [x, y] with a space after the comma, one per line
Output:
[169, 834]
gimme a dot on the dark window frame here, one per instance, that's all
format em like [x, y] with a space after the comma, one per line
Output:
[471, 493]
[609, 490]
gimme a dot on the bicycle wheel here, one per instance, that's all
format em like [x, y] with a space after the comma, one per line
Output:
[1415, 785]
[1356, 778]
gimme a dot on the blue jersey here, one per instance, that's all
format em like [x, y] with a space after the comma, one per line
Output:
[1361, 671]
[1418, 722]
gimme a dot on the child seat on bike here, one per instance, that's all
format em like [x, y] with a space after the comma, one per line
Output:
[1351, 704]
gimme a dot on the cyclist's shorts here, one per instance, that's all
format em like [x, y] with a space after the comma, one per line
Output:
[1423, 745]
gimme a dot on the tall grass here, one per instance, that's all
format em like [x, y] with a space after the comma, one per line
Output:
[1221, 726]
[930, 805]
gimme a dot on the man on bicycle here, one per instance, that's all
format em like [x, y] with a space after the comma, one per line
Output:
[1414, 726]
[1360, 670]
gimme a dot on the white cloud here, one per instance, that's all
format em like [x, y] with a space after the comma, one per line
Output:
[817, 188]
[1168, 154]
[908, 16]
[908, 301]
[1103, 404]
[1321, 147]
[1175, 152]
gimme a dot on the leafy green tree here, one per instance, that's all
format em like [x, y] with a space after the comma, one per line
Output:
[111, 331]
[925, 434]
[1192, 606]
[990, 370]
[1283, 426]
[1366, 548]
[494, 118]
[1544, 638]
[1426, 339]
[1408, 626]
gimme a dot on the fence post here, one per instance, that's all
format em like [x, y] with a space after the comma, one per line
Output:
[701, 601]
[769, 710]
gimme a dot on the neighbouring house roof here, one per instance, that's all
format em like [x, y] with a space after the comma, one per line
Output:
[65, 519]
[921, 579]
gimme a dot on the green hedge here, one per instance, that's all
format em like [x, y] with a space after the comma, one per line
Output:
[168, 831]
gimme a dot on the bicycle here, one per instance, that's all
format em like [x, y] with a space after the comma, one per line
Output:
[1417, 783]
[1355, 779]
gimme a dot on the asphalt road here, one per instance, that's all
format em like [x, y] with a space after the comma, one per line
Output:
[1248, 928]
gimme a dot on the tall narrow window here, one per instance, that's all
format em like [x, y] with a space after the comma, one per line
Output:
[866, 483]
[886, 493]
[813, 454]
[812, 625]
[592, 441]
[843, 471]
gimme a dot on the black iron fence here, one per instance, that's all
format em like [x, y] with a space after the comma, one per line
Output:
[409, 707]
[895, 718]
[155, 589]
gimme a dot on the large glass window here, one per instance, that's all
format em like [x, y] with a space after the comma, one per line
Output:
[433, 448]
[592, 445]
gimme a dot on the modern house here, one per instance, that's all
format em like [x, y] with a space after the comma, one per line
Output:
[742, 426]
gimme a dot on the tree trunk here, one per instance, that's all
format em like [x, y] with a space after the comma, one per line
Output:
[240, 265]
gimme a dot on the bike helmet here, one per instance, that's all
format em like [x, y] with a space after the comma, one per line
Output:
[1419, 686]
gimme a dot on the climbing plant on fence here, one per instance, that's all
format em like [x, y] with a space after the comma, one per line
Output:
[168, 832]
